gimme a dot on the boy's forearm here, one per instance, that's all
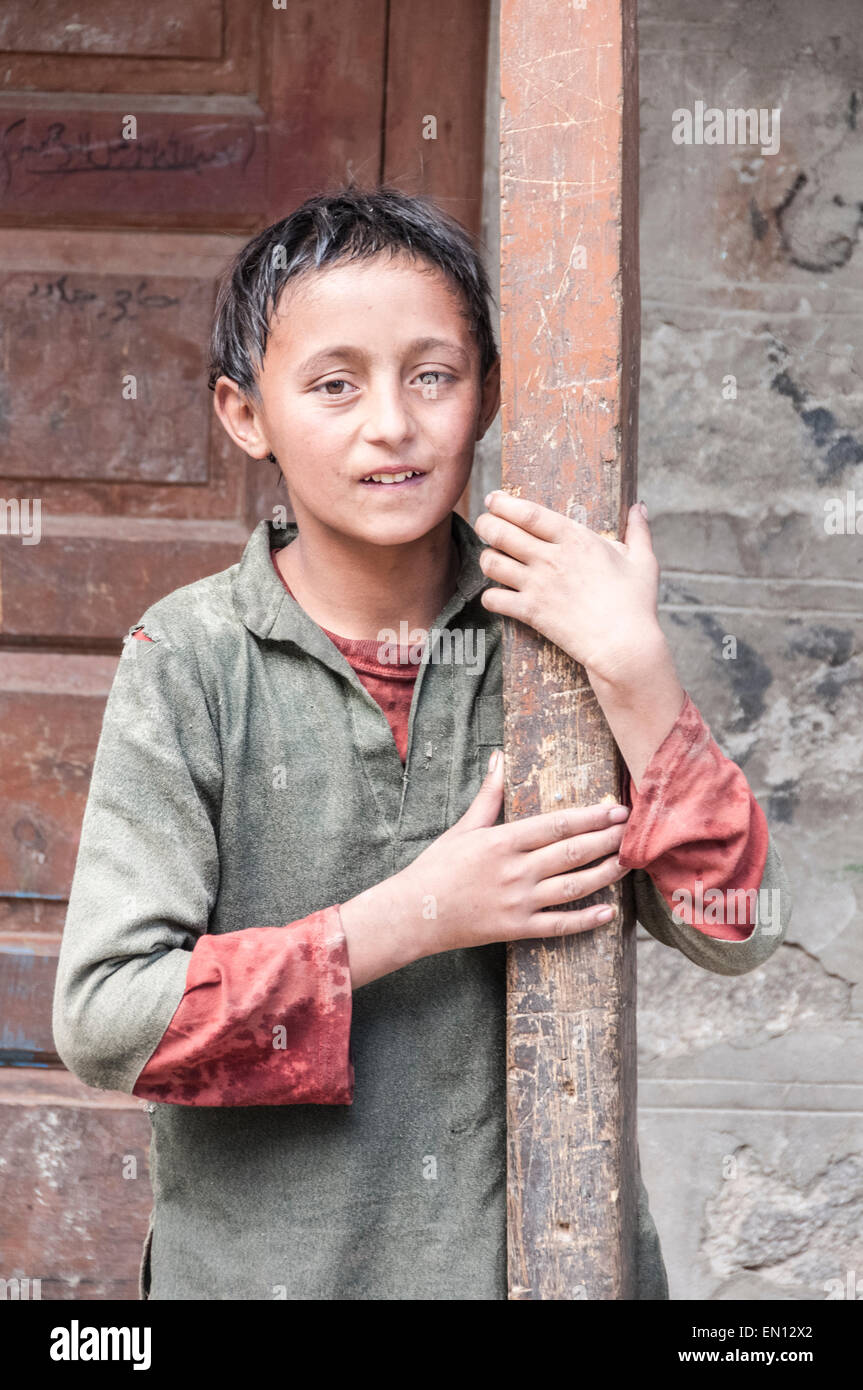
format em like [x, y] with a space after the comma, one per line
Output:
[641, 701]
[383, 934]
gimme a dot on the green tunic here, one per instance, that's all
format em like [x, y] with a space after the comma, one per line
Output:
[189, 829]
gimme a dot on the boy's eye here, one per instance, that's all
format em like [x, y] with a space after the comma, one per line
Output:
[337, 382]
[433, 372]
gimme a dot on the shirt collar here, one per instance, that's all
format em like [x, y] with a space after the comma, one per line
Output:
[269, 611]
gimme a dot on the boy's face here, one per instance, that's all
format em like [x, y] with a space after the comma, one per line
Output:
[352, 385]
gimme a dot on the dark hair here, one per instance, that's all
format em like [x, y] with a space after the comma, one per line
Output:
[350, 224]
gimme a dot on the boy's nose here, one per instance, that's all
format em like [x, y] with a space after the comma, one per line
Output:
[388, 417]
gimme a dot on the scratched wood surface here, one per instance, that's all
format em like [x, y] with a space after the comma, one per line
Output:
[74, 1186]
[570, 350]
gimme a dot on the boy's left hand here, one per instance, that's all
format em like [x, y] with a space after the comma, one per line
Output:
[593, 597]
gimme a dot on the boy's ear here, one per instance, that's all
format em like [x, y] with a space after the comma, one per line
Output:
[490, 398]
[239, 418]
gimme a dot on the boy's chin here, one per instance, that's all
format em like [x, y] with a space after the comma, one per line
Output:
[400, 530]
[399, 521]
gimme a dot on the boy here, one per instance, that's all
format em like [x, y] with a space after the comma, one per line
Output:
[287, 922]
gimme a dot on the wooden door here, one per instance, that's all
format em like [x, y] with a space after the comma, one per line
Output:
[140, 146]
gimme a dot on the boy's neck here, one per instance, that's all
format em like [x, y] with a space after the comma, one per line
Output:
[356, 590]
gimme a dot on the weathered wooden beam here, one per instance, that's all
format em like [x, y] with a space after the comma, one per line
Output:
[570, 352]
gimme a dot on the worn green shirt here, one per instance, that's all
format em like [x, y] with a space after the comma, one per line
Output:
[188, 831]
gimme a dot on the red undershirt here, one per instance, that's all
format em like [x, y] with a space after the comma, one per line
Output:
[390, 684]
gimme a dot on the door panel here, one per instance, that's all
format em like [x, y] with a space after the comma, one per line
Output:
[140, 146]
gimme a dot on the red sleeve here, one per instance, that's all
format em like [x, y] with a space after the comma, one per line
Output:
[265, 1019]
[698, 831]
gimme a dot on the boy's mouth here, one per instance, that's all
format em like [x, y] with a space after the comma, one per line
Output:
[405, 477]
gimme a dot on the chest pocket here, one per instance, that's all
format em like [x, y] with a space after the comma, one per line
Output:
[488, 721]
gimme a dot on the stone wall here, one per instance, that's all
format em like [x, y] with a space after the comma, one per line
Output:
[751, 439]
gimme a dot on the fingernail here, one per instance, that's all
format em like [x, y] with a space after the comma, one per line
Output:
[618, 813]
[488, 497]
[606, 914]
[492, 762]
[643, 506]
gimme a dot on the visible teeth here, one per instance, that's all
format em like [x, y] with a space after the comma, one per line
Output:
[390, 477]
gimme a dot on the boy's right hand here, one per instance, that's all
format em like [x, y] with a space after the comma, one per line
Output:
[480, 882]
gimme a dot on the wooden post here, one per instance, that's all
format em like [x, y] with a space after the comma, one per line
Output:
[570, 349]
